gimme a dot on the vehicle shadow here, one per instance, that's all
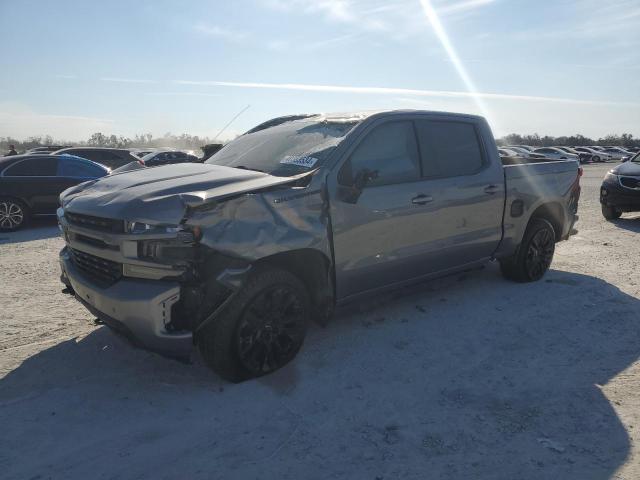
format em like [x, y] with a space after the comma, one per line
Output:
[466, 377]
[38, 228]
[628, 223]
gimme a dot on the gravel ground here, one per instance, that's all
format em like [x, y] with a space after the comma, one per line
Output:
[467, 377]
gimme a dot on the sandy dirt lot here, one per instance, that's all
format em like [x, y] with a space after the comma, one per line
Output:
[470, 377]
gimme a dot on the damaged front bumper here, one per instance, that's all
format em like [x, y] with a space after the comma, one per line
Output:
[140, 309]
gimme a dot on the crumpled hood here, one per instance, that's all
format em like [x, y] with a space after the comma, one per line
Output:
[628, 168]
[161, 194]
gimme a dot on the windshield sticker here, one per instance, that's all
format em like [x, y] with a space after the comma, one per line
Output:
[301, 161]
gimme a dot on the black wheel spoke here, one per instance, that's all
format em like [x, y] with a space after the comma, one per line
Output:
[271, 329]
[539, 253]
[11, 215]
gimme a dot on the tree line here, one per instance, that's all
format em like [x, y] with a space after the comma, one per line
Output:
[98, 139]
[194, 142]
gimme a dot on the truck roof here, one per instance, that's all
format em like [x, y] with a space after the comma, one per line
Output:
[355, 116]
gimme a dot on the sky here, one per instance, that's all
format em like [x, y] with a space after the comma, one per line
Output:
[553, 67]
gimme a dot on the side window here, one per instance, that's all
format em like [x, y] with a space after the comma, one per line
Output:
[77, 168]
[33, 167]
[93, 155]
[388, 154]
[449, 149]
[110, 156]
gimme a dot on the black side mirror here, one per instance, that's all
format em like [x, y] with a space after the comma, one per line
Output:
[351, 189]
[364, 177]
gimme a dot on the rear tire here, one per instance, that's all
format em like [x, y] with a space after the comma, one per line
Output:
[610, 213]
[596, 159]
[535, 254]
[13, 214]
[260, 330]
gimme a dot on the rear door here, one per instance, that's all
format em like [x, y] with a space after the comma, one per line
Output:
[466, 183]
[35, 181]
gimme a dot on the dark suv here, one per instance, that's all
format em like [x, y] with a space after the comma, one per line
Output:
[620, 190]
[109, 157]
[30, 184]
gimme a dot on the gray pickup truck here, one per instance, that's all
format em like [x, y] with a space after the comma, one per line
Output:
[296, 216]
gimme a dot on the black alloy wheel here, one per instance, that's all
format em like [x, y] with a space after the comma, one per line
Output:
[534, 256]
[271, 330]
[12, 215]
[540, 253]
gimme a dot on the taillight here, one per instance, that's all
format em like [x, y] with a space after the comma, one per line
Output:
[580, 172]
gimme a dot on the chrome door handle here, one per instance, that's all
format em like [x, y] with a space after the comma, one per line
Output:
[422, 199]
[491, 189]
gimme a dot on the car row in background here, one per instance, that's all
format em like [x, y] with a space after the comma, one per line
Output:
[517, 153]
[118, 157]
[114, 158]
[31, 184]
[583, 154]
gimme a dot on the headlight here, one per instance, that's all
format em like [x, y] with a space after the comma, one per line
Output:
[611, 177]
[139, 227]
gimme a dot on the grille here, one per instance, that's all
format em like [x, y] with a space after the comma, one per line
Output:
[95, 223]
[97, 268]
[630, 182]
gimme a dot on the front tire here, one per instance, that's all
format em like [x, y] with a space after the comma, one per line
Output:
[535, 254]
[13, 214]
[596, 159]
[260, 330]
[610, 213]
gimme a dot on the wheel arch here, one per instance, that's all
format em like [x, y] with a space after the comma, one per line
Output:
[314, 269]
[23, 201]
[553, 213]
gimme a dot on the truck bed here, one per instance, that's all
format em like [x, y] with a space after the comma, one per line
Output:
[530, 185]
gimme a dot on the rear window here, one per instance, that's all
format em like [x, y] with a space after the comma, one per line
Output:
[75, 167]
[33, 167]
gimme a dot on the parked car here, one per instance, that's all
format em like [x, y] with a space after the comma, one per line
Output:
[583, 156]
[523, 151]
[45, 149]
[617, 153]
[526, 147]
[556, 153]
[291, 219]
[141, 152]
[620, 190]
[167, 157]
[507, 152]
[597, 156]
[30, 184]
[109, 157]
